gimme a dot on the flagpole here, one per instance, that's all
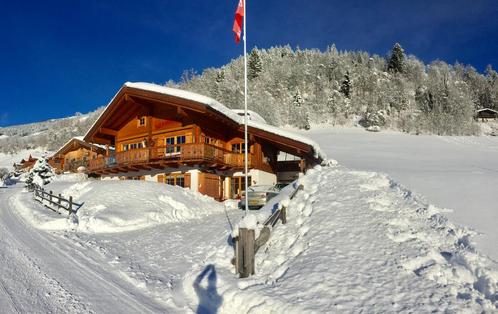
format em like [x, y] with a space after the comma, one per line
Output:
[246, 144]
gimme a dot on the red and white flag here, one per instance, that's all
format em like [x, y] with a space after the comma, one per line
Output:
[237, 24]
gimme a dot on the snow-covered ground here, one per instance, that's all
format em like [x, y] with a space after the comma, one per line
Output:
[354, 241]
[458, 173]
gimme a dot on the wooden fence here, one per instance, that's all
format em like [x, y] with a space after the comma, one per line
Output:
[55, 202]
[246, 245]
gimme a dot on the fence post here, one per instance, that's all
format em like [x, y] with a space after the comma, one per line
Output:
[59, 201]
[244, 249]
[70, 207]
[50, 197]
[283, 215]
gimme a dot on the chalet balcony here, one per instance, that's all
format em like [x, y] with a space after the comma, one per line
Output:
[73, 165]
[169, 156]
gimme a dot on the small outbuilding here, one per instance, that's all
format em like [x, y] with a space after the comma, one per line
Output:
[486, 114]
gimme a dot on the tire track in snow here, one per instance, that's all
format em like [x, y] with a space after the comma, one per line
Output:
[71, 275]
[13, 304]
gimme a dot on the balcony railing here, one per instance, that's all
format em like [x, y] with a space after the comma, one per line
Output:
[182, 153]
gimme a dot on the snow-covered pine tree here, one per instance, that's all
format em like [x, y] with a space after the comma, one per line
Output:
[346, 86]
[396, 63]
[41, 173]
[254, 64]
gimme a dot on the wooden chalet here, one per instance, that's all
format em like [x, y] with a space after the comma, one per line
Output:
[74, 154]
[182, 138]
[26, 165]
[486, 114]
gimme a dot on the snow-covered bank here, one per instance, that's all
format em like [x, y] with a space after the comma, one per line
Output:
[460, 173]
[354, 240]
[117, 206]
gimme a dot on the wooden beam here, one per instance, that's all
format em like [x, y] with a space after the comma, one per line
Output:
[101, 140]
[108, 131]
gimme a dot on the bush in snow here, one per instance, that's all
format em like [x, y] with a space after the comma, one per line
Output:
[41, 173]
[4, 177]
[373, 120]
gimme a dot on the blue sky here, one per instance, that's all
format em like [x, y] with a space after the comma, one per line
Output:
[62, 57]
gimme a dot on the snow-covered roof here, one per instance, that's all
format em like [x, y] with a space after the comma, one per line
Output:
[487, 109]
[79, 139]
[253, 116]
[220, 108]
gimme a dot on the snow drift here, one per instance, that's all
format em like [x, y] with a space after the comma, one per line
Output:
[117, 206]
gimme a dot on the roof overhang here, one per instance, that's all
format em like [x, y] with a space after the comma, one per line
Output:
[76, 143]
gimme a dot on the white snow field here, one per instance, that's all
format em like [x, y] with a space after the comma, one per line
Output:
[458, 173]
[355, 241]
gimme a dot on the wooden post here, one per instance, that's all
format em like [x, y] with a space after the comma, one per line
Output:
[59, 201]
[50, 198]
[283, 215]
[70, 206]
[245, 253]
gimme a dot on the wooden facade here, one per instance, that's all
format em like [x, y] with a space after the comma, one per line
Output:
[160, 132]
[75, 154]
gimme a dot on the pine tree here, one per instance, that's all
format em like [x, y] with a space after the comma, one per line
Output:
[220, 76]
[40, 174]
[254, 64]
[346, 86]
[298, 99]
[396, 63]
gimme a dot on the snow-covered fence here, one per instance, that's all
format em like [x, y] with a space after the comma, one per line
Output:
[55, 202]
[246, 242]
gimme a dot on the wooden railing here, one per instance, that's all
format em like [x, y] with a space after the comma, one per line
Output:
[246, 245]
[200, 152]
[54, 202]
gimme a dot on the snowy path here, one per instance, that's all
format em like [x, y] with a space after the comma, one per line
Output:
[44, 273]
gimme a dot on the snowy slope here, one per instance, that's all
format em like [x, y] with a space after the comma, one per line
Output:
[354, 240]
[455, 172]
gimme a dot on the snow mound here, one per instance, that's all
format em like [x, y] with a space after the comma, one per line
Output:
[118, 206]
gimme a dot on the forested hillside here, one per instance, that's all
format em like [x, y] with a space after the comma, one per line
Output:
[51, 134]
[304, 87]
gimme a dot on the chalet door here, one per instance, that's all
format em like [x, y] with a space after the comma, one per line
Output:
[211, 185]
[238, 186]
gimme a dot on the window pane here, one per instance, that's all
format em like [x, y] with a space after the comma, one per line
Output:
[169, 141]
[170, 180]
[180, 181]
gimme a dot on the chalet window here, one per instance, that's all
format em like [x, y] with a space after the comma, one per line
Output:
[210, 140]
[238, 148]
[141, 121]
[175, 180]
[127, 147]
[171, 141]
